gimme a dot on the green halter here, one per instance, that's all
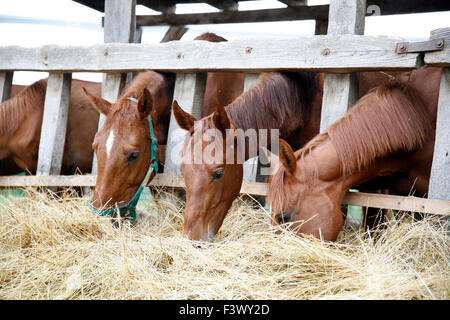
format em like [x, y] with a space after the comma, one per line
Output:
[131, 206]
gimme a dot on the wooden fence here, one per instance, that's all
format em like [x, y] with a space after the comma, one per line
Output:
[339, 54]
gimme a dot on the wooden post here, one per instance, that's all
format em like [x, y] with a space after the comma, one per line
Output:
[341, 90]
[120, 26]
[174, 33]
[189, 92]
[6, 78]
[439, 187]
[54, 123]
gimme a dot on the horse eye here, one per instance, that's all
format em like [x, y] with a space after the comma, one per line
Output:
[132, 156]
[218, 174]
[283, 217]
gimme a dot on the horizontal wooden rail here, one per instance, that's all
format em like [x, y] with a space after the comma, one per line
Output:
[410, 203]
[244, 16]
[332, 53]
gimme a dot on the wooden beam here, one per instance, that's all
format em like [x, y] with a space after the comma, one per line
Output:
[166, 6]
[408, 204]
[439, 187]
[230, 16]
[387, 7]
[439, 58]
[174, 33]
[340, 91]
[188, 92]
[54, 123]
[332, 53]
[223, 4]
[5, 85]
[294, 3]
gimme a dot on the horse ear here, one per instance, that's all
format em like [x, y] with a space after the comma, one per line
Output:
[221, 120]
[184, 119]
[287, 157]
[145, 103]
[100, 104]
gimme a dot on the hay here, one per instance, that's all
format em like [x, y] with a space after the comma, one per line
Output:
[54, 248]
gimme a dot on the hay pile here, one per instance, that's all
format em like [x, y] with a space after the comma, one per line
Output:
[54, 248]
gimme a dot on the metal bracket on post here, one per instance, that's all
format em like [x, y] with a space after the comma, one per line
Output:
[422, 46]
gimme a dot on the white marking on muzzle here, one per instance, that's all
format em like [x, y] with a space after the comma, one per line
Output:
[109, 143]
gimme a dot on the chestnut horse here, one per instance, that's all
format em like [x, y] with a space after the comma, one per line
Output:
[21, 120]
[288, 101]
[389, 132]
[124, 143]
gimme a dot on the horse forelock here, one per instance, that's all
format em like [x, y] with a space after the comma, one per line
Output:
[14, 110]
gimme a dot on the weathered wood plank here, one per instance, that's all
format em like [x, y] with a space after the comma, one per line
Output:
[413, 204]
[408, 204]
[54, 123]
[223, 4]
[440, 58]
[189, 92]
[235, 16]
[174, 33]
[5, 85]
[340, 91]
[332, 53]
[120, 21]
[439, 187]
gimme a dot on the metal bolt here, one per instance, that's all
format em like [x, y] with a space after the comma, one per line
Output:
[325, 52]
[248, 50]
[402, 46]
[440, 44]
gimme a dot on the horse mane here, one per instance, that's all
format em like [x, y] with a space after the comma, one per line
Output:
[14, 110]
[391, 118]
[279, 100]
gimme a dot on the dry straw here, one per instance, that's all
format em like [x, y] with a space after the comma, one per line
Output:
[54, 248]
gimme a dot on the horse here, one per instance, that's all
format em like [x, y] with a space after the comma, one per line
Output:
[122, 144]
[288, 101]
[388, 133]
[21, 120]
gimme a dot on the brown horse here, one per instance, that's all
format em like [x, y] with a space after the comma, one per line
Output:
[290, 102]
[278, 101]
[21, 120]
[122, 144]
[389, 132]
[126, 133]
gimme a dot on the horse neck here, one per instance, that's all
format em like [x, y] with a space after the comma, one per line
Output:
[324, 166]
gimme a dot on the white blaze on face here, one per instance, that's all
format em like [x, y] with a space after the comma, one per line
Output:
[109, 143]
